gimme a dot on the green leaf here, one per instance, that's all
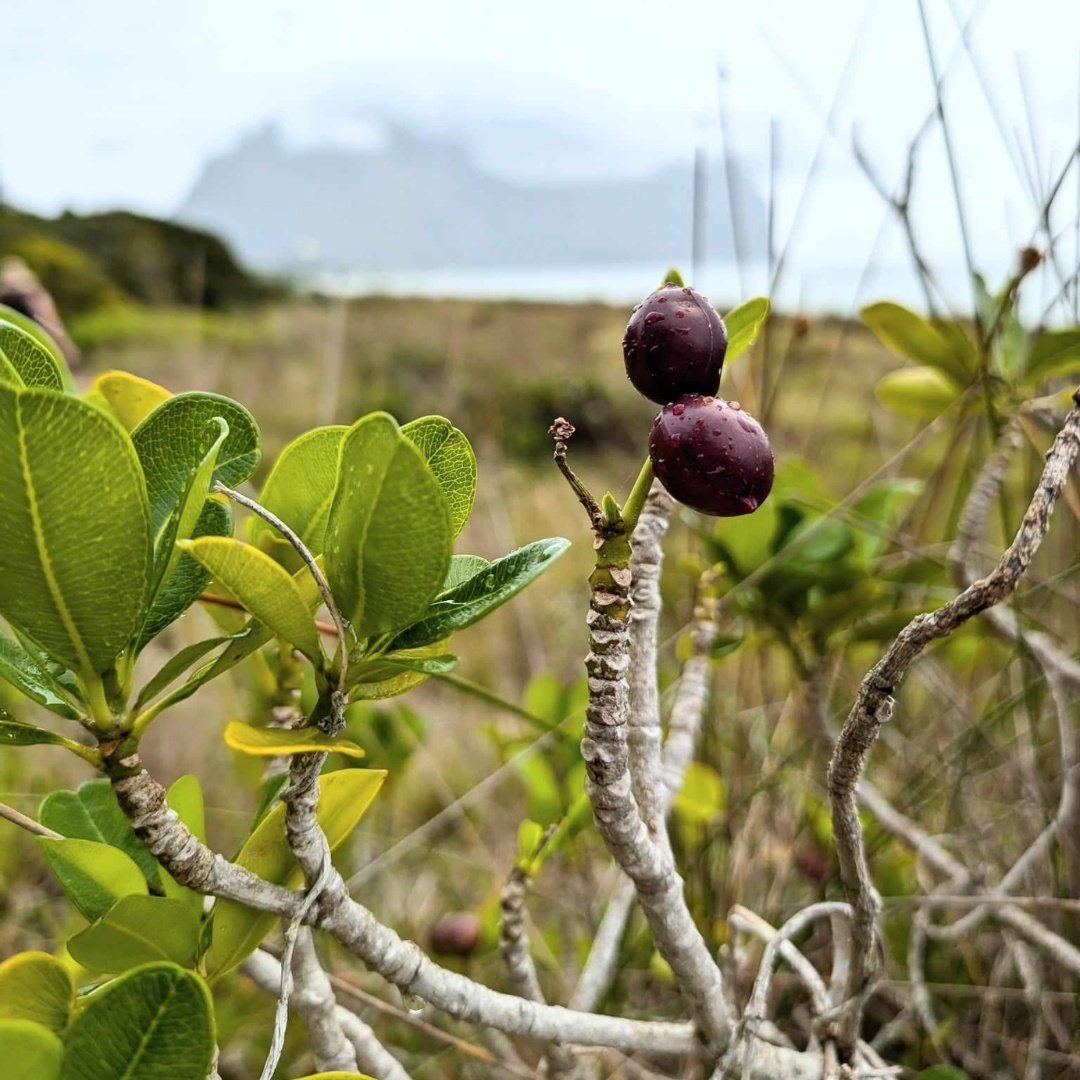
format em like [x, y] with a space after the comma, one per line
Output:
[94, 876]
[673, 277]
[16, 733]
[275, 742]
[1053, 353]
[482, 593]
[174, 439]
[32, 363]
[41, 336]
[922, 392]
[92, 813]
[36, 986]
[138, 930]
[919, 340]
[188, 578]
[153, 1023]
[463, 567]
[264, 587]
[74, 562]
[129, 398]
[22, 670]
[395, 673]
[30, 1050]
[450, 457]
[942, 1072]
[174, 667]
[344, 796]
[300, 490]
[743, 324]
[388, 537]
[530, 833]
[881, 504]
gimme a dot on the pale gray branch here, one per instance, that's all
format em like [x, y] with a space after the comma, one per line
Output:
[874, 705]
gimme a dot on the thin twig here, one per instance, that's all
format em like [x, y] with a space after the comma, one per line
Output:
[874, 706]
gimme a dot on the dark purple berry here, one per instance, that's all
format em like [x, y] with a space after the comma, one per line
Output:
[712, 456]
[674, 345]
[456, 934]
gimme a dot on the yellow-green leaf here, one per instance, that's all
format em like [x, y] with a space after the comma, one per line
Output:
[74, 561]
[275, 742]
[129, 398]
[28, 359]
[30, 1050]
[263, 586]
[94, 876]
[450, 457]
[344, 796]
[389, 535]
[938, 345]
[1054, 353]
[36, 986]
[299, 490]
[922, 392]
[138, 930]
[743, 324]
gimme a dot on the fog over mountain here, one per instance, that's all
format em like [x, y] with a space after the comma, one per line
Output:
[419, 202]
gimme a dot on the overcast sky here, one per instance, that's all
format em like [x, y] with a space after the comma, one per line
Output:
[119, 102]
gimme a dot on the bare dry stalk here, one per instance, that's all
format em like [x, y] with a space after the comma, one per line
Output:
[874, 706]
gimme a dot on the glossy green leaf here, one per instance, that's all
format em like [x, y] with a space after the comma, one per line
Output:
[138, 930]
[344, 796]
[1053, 353]
[36, 986]
[388, 537]
[93, 875]
[74, 562]
[92, 813]
[921, 341]
[300, 490]
[30, 1050]
[922, 392]
[398, 672]
[175, 438]
[482, 593]
[264, 587]
[450, 457]
[16, 733]
[743, 325]
[275, 742]
[155, 1022]
[34, 680]
[188, 578]
[31, 361]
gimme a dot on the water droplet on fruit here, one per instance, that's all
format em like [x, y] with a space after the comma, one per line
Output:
[680, 314]
[749, 502]
[661, 299]
[678, 410]
[747, 424]
[735, 405]
[653, 318]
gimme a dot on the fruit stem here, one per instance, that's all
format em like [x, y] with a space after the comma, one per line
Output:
[638, 494]
[561, 430]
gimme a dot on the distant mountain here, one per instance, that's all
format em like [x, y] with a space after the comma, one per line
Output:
[420, 203]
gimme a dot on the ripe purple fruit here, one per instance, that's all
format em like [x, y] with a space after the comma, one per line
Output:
[456, 934]
[711, 456]
[674, 345]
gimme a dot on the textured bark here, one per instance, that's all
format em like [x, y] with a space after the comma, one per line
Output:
[618, 819]
[874, 706]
